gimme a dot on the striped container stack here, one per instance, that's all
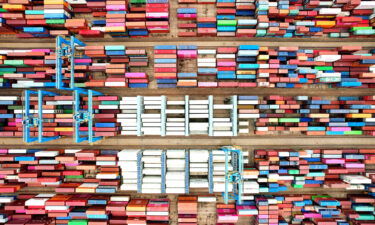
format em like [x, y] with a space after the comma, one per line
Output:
[226, 214]
[117, 67]
[10, 117]
[151, 117]
[311, 115]
[175, 175]
[186, 54]
[206, 66]
[115, 18]
[199, 169]
[188, 16]
[158, 211]
[106, 109]
[219, 171]
[165, 65]
[129, 169]
[56, 12]
[128, 116]
[151, 181]
[187, 209]
[198, 116]
[136, 211]
[175, 120]
[249, 18]
[66, 171]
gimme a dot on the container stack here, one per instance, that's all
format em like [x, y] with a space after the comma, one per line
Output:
[241, 66]
[175, 176]
[151, 117]
[326, 117]
[226, 66]
[152, 166]
[118, 66]
[128, 116]
[198, 116]
[115, 18]
[105, 123]
[206, 66]
[158, 211]
[157, 15]
[287, 19]
[165, 65]
[175, 114]
[222, 119]
[143, 18]
[206, 27]
[9, 118]
[219, 171]
[188, 16]
[248, 54]
[226, 213]
[186, 55]
[187, 209]
[199, 169]
[56, 12]
[129, 168]
[136, 211]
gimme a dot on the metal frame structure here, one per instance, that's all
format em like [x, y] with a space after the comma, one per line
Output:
[83, 115]
[187, 129]
[66, 49]
[236, 176]
[163, 115]
[139, 171]
[234, 115]
[30, 121]
[210, 115]
[163, 170]
[140, 109]
[210, 172]
[187, 171]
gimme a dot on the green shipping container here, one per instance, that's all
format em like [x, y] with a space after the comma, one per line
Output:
[110, 102]
[293, 171]
[55, 21]
[366, 217]
[81, 85]
[289, 120]
[323, 68]
[138, 1]
[78, 222]
[74, 176]
[353, 132]
[13, 62]
[227, 22]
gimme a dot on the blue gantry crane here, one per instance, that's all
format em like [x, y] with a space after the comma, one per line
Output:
[234, 177]
[84, 116]
[30, 120]
[65, 49]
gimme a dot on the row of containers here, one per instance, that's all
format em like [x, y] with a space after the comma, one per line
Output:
[248, 18]
[83, 186]
[191, 115]
[94, 66]
[191, 66]
[91, 19]
[140, 18]
[183, 171]
[257, 66]
[45, 209]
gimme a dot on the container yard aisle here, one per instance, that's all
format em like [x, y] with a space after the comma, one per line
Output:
[156, 151]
